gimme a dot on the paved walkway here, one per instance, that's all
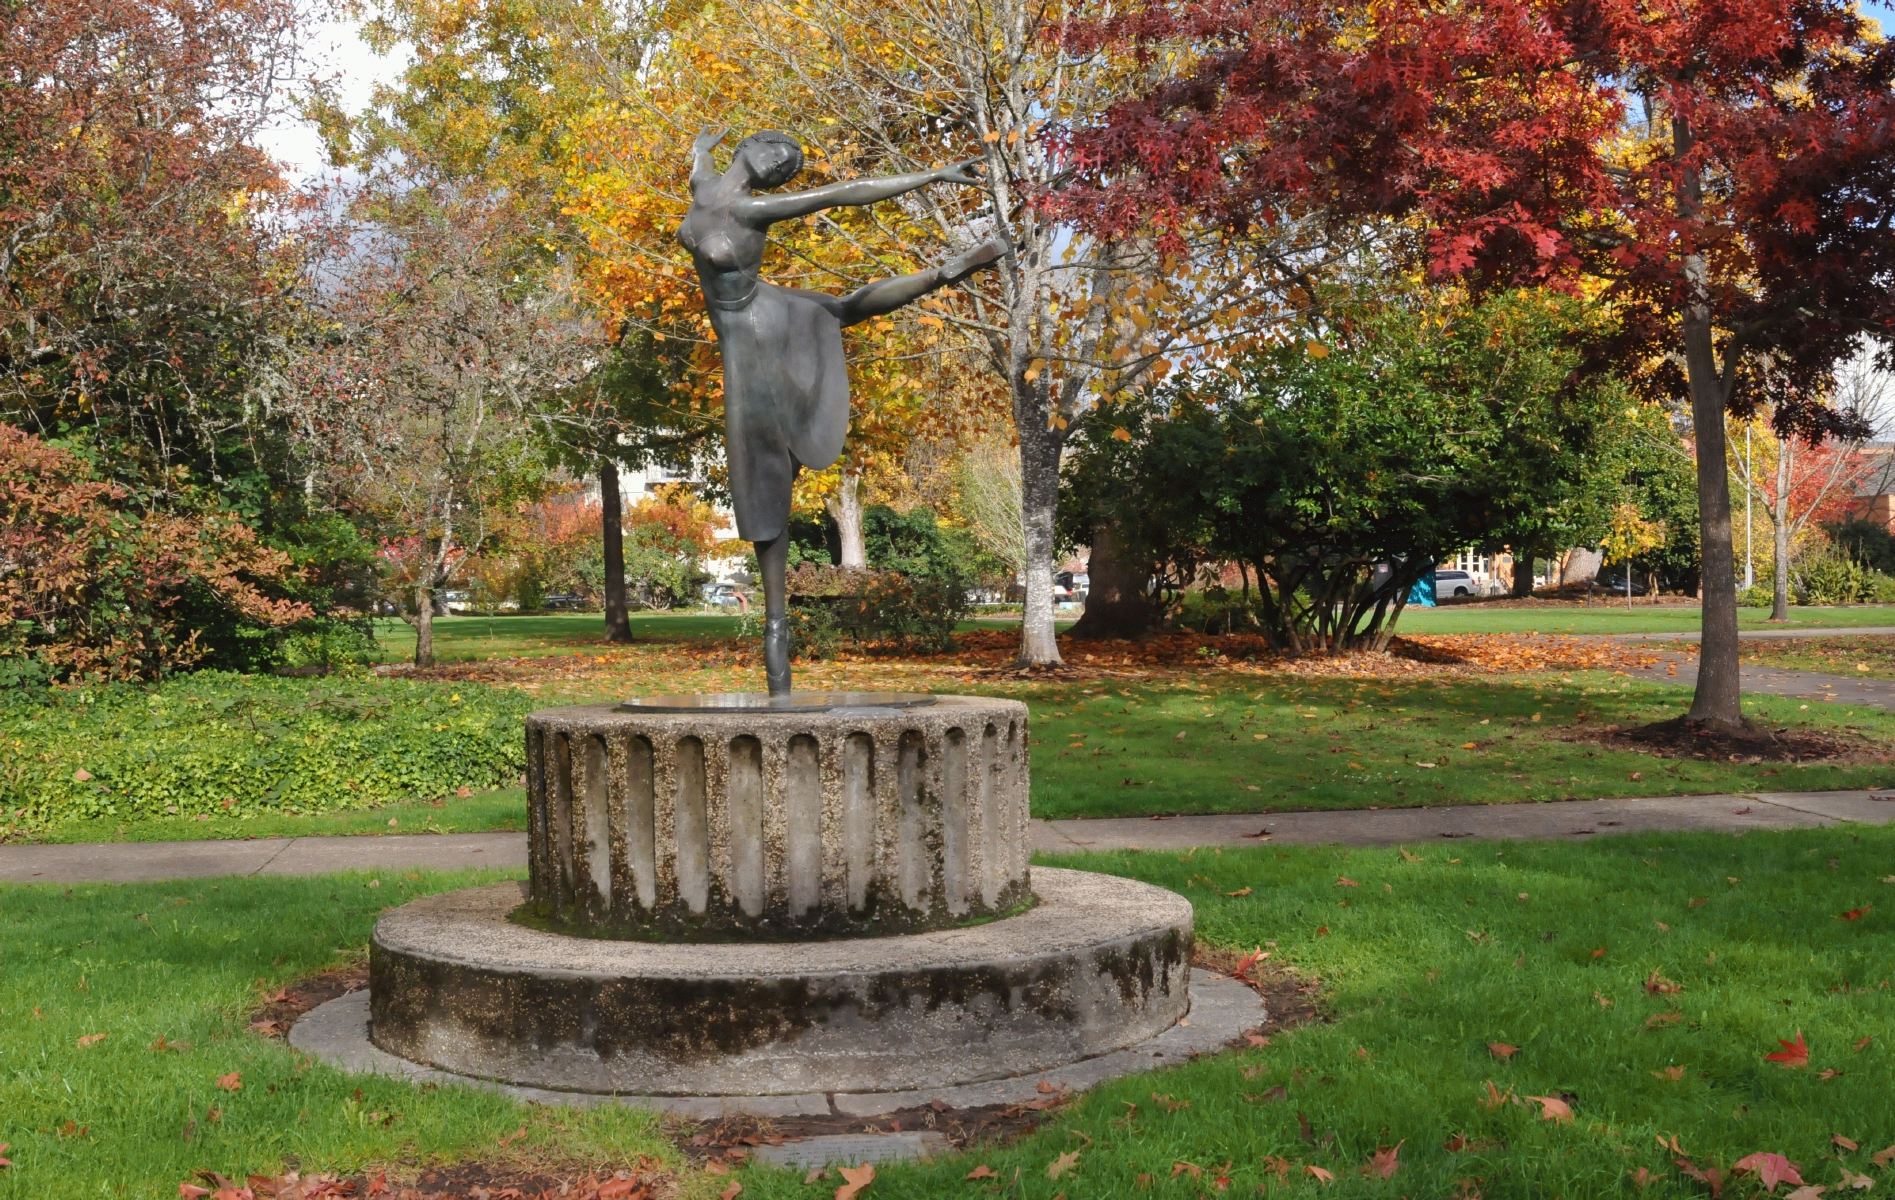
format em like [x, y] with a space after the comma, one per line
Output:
[1566, 820]
[1788, 631]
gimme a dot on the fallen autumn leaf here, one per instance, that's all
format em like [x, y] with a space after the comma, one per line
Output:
[1793, 1054]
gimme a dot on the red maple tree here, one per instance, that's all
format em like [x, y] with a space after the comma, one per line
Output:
[1724, 168]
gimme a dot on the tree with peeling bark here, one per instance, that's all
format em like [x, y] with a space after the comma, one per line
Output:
[1721, 171]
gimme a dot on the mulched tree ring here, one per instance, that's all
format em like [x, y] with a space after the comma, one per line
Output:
[1683, 737]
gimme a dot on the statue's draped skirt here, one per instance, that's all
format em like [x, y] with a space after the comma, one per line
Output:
[786, 399]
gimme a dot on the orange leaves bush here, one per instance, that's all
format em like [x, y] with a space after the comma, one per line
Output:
[91, 588]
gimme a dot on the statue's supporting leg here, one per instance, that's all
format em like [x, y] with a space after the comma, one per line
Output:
[887, 295]
[772, 562]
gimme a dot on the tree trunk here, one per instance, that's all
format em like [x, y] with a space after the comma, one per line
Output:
[1523, 574]
[1780, 529]
[424, 625]
[1118, 600]
[1719, 696]
[846, 508]
[618, 624]
[1039, 503]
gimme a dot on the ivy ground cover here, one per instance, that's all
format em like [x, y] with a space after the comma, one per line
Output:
[213, 748]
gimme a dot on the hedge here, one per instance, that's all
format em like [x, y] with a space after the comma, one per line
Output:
[232, 745]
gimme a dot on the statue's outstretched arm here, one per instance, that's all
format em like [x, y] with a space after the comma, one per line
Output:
[759, 211]
[703, 169]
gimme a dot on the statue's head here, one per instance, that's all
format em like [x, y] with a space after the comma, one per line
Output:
[772, 158]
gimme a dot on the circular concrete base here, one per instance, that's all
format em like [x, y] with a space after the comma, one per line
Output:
[1100, 964]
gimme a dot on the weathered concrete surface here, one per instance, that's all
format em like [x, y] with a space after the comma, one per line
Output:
[1101, 963]
[751, 824]
[1221, 1011]
[141, 862]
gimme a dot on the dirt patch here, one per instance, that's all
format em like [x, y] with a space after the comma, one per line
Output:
[1685, 738]
[276, 1012]
[468, 1181]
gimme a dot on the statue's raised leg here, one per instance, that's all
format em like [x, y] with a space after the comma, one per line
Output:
[772, 563]
[887, 295]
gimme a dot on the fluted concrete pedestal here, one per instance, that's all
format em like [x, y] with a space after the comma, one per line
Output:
[741, 895]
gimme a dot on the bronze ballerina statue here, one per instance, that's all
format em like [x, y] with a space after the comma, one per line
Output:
[786, 386]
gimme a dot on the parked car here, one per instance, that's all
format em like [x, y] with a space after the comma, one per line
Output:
[1455, 583]
[554, 601]
[1618, 585]
[721, 595]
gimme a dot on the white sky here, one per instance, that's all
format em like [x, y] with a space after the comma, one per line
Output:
[333, 49]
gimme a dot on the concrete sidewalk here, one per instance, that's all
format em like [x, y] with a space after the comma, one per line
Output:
[1562, 820]
[139, 862]
[1566, 820]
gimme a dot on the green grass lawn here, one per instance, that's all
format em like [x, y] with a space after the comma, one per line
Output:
[1607, 617]
[1830, 655]
[1564, 951]
[182, 962]
[1427, 962]
[467, 639]
[1226, 744]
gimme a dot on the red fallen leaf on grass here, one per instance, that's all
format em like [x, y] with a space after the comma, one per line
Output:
[232, 1082]
[1059, 1166]
[1180, 1167]
[1770, 1169]
[1880, 1158]
[1845, 1143]
[1658, 985]
[1321, 1176]
[1698, 901]
[1599, 953]
[1322, 931]
[1255, 1038]
[1711, 1177]
[983, 1171]
[732, 1192]
[1242, 891]
[1345, 881]
[1502, 1049]
[90, 1038]
[283, 997]
[1553, 1109]
[1385, 1162]
[1856, 914]
[187, 1191]
[4, 1161]
[1863, 1044]
[1793, 1054]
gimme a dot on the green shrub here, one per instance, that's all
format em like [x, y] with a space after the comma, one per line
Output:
[237, 745]
[884, 609]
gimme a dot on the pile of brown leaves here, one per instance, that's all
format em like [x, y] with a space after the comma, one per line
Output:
[987, 656]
